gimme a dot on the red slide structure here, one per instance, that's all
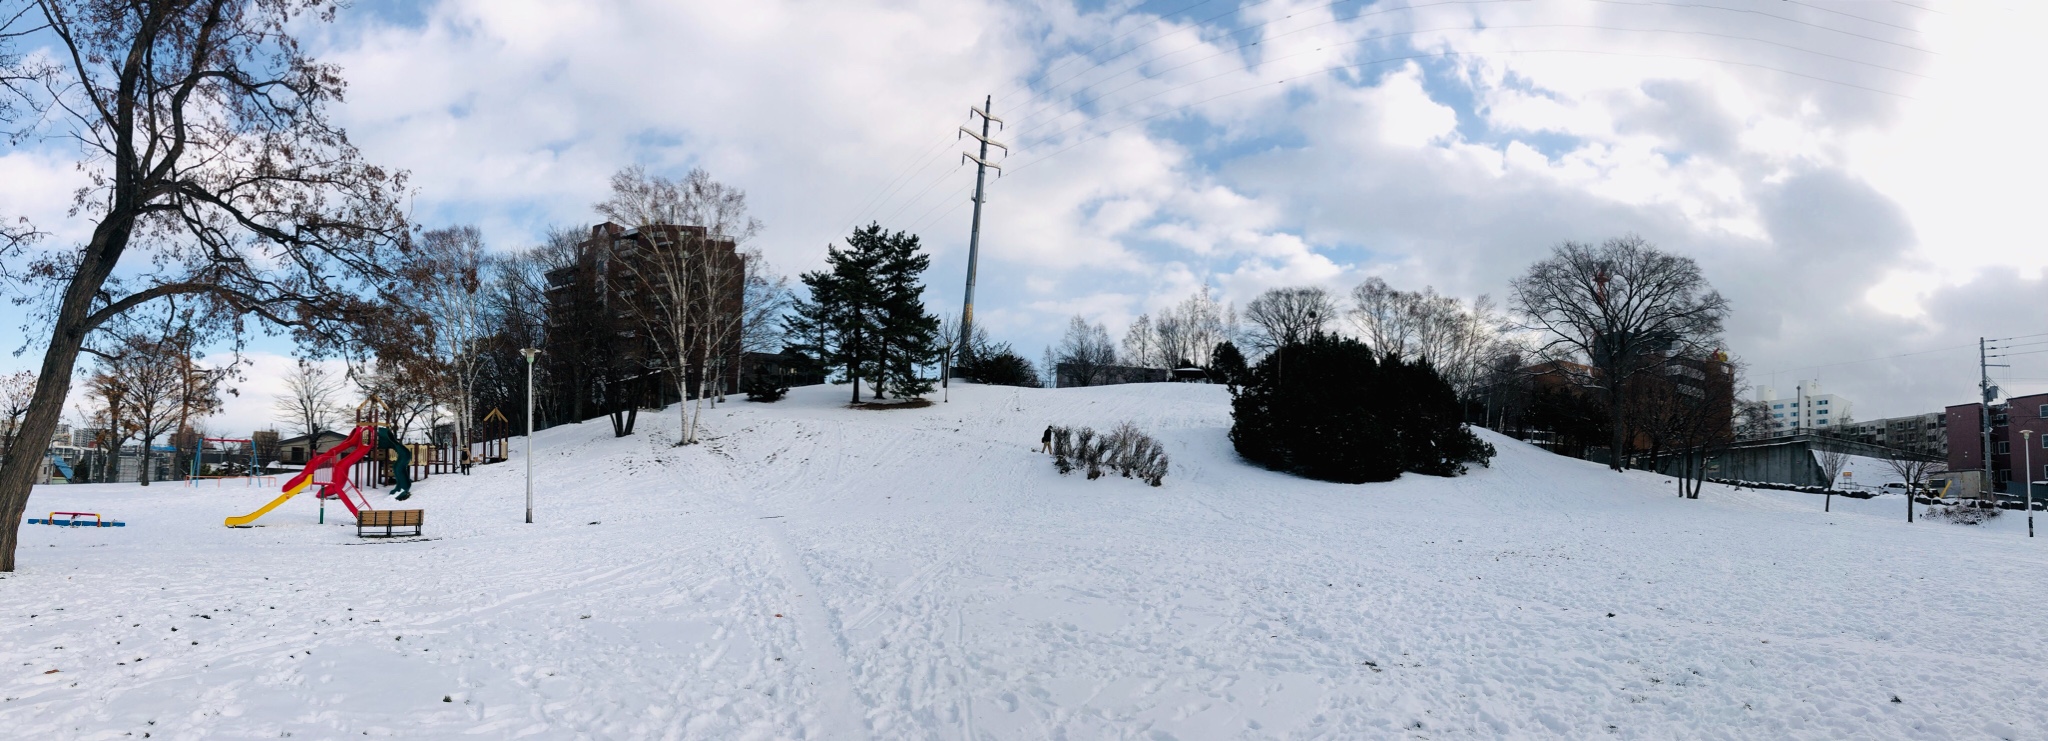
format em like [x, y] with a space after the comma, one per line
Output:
[327, 473]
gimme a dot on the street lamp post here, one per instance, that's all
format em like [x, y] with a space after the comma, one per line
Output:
[529, 353]
[2027, 441]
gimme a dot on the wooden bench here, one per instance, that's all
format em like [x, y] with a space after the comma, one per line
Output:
[393, 522]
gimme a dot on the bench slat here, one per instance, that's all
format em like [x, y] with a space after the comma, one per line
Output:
[390, 520]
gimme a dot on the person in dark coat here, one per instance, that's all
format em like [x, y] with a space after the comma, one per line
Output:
[1045, 440]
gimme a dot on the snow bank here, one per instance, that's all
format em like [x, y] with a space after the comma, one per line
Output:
[818, 572]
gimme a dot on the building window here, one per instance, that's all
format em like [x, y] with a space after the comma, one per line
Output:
[1777, 406]
[1822, 402]
[1823, 411]
[2004, 448]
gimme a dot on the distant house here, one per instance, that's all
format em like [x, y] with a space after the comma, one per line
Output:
[295, 451]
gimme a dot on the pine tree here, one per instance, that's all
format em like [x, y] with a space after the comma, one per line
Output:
[866, 316]
[908, 337]
[839, 326]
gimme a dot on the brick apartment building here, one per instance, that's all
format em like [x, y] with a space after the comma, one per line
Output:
[1966, 442]
[602, 354]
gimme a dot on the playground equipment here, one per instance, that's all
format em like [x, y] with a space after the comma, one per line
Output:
[75, 519]
[201, 453]
[63, 467]
[328, 474]
[495, 431]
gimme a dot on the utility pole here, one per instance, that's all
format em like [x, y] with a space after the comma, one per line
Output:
[2027, 450]
[529, 352]
[1989, 394]
[981, 167]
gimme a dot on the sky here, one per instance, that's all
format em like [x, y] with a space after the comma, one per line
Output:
[1858, 178]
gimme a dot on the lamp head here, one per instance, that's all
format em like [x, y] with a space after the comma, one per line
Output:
[529, 352]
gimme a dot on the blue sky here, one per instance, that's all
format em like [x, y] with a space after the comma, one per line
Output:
[1856, 176]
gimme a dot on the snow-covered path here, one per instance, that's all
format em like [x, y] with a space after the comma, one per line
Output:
[819, 572]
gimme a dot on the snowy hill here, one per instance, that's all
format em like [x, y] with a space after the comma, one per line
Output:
[819, 572]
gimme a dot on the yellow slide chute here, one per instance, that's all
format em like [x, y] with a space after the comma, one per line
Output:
[251, 517]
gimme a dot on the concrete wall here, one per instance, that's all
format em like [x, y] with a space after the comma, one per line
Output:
[1783, 460]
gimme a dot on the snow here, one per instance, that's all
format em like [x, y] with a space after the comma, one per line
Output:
[815, 572]
[1862, 472]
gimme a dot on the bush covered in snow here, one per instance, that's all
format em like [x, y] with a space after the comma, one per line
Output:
[1125, 451]
[1964, 513]
[1332, 409]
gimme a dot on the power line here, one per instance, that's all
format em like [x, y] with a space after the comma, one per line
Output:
[882, 195]
[1857, 17]
[1026, 129]
[1809, 24]
[1920, 7]
[1873, 360]
[1026, 165]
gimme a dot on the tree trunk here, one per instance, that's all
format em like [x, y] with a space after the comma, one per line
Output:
[17, 475]
[683, 410]
[1617, 417]
[148, 457]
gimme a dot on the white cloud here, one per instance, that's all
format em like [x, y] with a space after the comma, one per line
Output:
[1179, 163]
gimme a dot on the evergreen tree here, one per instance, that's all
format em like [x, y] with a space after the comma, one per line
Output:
[1329, 408]
[908, 336]
[1227, 366]
[866, 316]
[839, 325]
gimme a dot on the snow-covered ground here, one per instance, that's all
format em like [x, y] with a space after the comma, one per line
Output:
[823, 573]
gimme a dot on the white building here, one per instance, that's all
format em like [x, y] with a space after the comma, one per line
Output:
[1807, 409]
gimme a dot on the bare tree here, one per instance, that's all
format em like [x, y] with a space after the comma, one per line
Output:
[1753, 420]
[1832, 463]
[202, 128]
[1141, 344]
[312, 401]
[151, 374]
[1623, 308]
[1915, 470]
[686, 274]
[1385, 318]
[1458, 340]
[266, 446]
[1085, 352]
[448, 281]
[1284, 316]
[1190, 331]
[16, 389]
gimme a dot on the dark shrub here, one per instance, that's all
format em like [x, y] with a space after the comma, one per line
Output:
[766, 386]
[1330, 409]
[1227, 366]
[1001, 367]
